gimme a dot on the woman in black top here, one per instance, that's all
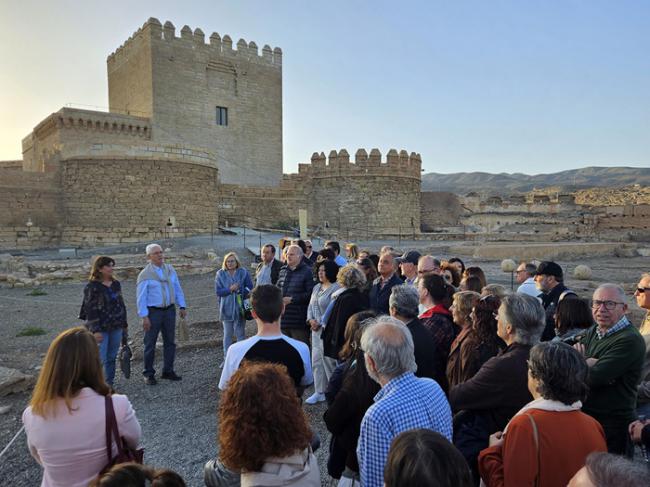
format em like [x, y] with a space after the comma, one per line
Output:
[104, 312]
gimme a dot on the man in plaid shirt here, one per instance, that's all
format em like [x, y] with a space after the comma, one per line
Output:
[404, 402]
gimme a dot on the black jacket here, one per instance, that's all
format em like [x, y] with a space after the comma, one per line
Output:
[499, 389]
[549, 301]
[297, 284]
[425, 349]
[379, 296]
[347, 303]
[275, 270]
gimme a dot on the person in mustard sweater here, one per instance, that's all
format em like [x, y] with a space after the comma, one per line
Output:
[615, 351]
[548, 440]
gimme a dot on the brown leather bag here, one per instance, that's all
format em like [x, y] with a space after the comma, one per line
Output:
[124, 452]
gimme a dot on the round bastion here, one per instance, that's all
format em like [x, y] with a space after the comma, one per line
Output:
[370, 196]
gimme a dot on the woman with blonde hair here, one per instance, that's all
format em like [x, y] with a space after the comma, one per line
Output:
[104, 312]
[65, 421]
[233, 284]
[352, 251]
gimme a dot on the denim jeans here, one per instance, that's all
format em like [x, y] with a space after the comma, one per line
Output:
[162, 321]
[230, 328]
[108, 349]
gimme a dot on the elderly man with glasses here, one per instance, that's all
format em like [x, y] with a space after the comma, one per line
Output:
[615, 351]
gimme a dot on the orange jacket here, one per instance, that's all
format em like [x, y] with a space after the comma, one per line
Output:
[565, 440]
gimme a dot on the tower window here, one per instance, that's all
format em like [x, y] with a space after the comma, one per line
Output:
[222, 116]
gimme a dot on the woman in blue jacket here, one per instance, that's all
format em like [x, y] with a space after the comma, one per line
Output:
[233, 284]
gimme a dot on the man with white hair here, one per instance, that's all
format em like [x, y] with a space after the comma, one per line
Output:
[615, 351]
[158, 294]
[404, 402]
[296, 281]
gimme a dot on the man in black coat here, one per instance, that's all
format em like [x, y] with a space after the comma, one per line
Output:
[296, 281]
[267, 271]
[381, 287]
[550, 281]
[403, 305]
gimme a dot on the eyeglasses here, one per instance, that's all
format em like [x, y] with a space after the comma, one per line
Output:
[608, 305]
[308, 246]
[642, 290]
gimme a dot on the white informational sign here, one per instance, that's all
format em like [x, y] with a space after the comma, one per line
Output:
[302, 222]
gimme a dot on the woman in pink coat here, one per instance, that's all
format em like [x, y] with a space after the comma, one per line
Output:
[65, 419]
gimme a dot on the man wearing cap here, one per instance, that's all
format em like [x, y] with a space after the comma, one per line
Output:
[409, 265]
[525, 276]
[549, 279]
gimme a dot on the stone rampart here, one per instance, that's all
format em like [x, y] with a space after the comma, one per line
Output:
[368, 197]
[131, 199]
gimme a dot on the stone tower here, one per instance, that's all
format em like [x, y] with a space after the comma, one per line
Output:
[210, 96]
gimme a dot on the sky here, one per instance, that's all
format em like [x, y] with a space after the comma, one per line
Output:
[494, 86]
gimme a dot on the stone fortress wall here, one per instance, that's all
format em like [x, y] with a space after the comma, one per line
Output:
[179, 81]
[335, 192]
[158, 165]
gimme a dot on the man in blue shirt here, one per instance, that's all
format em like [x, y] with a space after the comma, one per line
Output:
[404, 402]
[158, 293]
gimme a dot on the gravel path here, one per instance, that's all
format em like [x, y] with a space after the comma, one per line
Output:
[178, 419]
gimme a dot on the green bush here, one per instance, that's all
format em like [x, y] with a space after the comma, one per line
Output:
[31, 331]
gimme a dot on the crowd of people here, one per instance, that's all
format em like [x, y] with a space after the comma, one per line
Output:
[431, 375]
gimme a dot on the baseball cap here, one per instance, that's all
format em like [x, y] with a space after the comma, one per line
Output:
[411, 256]
[548, 268]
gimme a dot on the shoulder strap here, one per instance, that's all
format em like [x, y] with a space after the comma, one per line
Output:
[536, 438]
[111, 430]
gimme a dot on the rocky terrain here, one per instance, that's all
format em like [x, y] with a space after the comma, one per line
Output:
[502, 183]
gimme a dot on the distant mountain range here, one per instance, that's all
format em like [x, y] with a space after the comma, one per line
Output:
[587, 177]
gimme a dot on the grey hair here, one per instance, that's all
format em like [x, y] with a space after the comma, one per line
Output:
[531, 269]
[390, 345]
[560, 370]
[351, 277]
[607, 469]
[405, 300]
[495, 290]
[435, 261]
[300, 252]
[526, 316]
[150, 248]
[614, 287]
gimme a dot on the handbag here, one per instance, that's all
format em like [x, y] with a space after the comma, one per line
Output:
[183, 330]
[125, 356]
[245, 307]
[125, 453]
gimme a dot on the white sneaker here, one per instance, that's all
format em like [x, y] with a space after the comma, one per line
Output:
[316, 397]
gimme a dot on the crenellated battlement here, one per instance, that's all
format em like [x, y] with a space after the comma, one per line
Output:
[336, 163]
[222, 46]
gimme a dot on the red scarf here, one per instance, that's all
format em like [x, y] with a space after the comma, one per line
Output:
[437, 309]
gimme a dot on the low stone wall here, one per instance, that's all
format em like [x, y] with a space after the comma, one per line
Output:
[546, 251]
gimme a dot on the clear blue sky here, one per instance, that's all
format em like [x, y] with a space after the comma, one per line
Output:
[497, 86]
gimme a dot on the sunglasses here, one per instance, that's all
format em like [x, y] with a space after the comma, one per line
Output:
[642, 290]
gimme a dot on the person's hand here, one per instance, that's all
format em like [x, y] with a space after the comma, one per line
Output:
[234, 287]
[496, 439]
[580, 348]
[592, 361]
[98, 336]
[315, 325]
[635, 430]
[286, 300]
[183, 313]
[146, 324]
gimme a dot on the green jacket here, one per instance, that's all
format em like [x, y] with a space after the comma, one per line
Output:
[614, 378]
